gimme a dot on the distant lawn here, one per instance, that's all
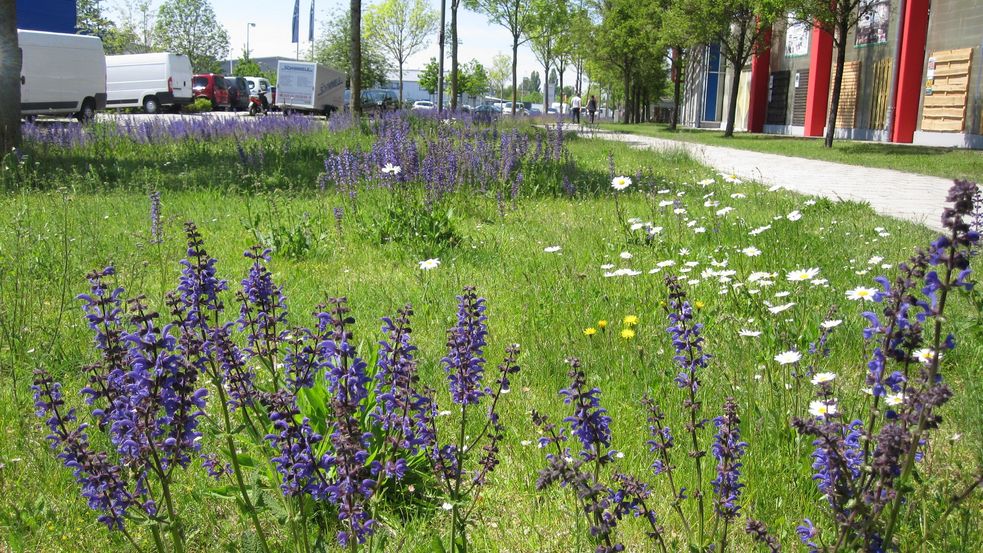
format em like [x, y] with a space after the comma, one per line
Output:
[941, 162]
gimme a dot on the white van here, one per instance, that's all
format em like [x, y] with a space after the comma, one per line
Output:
[61, 74]
[148, 81]
[257, 85]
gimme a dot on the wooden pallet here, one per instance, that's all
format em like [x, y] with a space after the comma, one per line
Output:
[846, 112]
[947, 91]
[880, 91]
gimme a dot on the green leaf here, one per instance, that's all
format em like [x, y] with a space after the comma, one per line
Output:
[224, 492]
[249, 543]
[437, 546]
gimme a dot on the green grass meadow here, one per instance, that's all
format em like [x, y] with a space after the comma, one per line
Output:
[950, 163]
[66, 212]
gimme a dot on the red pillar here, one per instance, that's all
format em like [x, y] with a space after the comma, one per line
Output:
[817, 99]
[760, 66]
[910, 70]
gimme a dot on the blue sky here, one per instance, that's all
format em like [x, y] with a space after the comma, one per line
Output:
[271, 35]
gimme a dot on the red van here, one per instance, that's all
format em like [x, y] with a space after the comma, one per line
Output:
[213, 87]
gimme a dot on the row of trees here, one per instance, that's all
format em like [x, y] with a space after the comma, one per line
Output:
[186, 27]
[645, 44]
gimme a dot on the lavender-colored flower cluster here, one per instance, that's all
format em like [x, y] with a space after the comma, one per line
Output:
[862, 466]
[165, 130]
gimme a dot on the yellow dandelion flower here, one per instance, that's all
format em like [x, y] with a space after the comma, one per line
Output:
[630, 320]
[590, 331]
[699, 304]
[602, 324]
[627, 334]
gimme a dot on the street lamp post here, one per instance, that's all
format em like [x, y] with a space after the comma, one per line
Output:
[248, 25]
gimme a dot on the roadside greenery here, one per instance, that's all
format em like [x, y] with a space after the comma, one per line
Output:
[415, 334]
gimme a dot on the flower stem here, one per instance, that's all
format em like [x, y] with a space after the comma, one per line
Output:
[237, 470]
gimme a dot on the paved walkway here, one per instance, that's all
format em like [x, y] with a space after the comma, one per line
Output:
[908, 196]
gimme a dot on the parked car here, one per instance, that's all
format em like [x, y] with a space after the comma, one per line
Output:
[261, 84]
[148, 81]
[520, 110]
[238, 93]
[423, 105]
[211, 86]
[376, 99]
[61, 74]
[486, 113]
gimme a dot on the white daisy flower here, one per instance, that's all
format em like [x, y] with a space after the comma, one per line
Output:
[788, 357]
[779, 308]
[551, 249]
[625, 255]
[620, 183]
[819, 378]
[749, 333]
[390, 169]
[430, 264]
[759, 275]
[822, 409]
[893, 400]
[794, 216]
[799, 275]
[831, 324]
[751, 251]
[861, 293]
[925, 356]
[759, 230]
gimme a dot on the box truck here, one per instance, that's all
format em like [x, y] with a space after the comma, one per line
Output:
[61, 74]
[148, 81]
[308, 87]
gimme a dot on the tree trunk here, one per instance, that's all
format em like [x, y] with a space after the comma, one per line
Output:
[10, 68]
[732, 101]
[837, 81]
[546, 89]
[356, 61]
[400, 85]
[627, 91]
[515, 57]
[577, 80]
[560, 64]
[676, 87]
[454, 76]
[441, 39]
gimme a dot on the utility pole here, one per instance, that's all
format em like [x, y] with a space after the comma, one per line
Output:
[248, 25]
[440, 37]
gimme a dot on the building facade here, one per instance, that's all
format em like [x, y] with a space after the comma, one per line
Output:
[912, 75]
[53, 16]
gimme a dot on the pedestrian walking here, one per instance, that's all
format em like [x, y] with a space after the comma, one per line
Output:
[592, 108]
[575, 107]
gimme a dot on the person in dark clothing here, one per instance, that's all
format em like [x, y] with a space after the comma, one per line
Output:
[592, 108]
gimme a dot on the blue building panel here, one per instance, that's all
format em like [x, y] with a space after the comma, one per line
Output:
[54, 16]
[714, 73]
